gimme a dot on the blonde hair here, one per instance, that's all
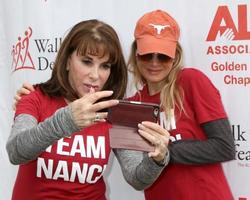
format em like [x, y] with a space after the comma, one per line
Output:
[171, 94]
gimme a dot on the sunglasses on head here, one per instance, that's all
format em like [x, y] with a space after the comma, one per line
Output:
[150, 56]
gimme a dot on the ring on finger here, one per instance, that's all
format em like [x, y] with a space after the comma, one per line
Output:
[97, 117]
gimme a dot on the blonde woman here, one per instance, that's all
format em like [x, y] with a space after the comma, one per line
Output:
[192, 112]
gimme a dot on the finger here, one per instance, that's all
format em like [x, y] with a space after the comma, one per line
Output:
[149, 137]
[148, 130]
[158, 135]
[28, 86]
[91, 90]
[17, 98]
[227, 31]
[23, 91]
[231, 36]
[93, 97]
[104, 104]
[156, 127]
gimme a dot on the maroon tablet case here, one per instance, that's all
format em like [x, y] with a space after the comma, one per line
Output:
[125, 118]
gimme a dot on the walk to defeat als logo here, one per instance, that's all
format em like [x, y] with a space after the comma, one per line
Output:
[42, 56]
[228, 36]
[21, 57]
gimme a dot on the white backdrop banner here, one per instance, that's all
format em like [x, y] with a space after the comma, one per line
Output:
[215, 37]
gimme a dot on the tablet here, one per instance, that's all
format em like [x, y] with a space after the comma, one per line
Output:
[124, 118]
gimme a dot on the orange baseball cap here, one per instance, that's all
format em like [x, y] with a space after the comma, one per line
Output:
[157, 32]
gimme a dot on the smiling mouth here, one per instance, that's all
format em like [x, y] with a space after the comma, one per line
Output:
[153, 71]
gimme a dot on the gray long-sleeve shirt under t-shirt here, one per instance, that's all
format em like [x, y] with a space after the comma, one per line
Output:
[218, 147]
[29, 138]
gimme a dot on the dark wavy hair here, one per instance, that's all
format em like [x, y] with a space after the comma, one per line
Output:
[88, 37]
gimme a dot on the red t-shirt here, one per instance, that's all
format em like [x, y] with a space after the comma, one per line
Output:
[72, 167]
[202, 103]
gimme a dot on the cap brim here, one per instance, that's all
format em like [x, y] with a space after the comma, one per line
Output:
[153, 45]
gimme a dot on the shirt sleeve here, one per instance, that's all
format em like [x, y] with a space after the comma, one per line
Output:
[138, 169]
[29, 138]
[203, 96]
[205, 101]
[29, 104]
[219, 146]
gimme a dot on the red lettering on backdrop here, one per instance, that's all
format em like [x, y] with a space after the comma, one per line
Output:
[242, 23]
[223, 21]
[21, 57]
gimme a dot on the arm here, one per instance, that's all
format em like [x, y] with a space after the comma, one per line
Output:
[139, 170]
[219, 146]
[28, 138]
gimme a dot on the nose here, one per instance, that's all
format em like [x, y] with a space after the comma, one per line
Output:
[155, 60]
[94, 72]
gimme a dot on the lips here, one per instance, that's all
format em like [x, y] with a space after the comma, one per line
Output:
[89, 86]
[154, 71]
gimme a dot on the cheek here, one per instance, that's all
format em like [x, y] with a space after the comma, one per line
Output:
[140, 66]
[169, 66]
[76, 77]
[105, 75]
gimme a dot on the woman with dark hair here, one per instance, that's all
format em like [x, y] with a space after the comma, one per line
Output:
[59, 137]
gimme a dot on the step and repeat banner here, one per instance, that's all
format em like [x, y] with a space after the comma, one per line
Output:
[215, 36]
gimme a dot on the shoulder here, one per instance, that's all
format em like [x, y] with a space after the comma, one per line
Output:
[140, 94]
[34, 96]
[31, 103]
[191, 74]
[136, 97]
[191, 77]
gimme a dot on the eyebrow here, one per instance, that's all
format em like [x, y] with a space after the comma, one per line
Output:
[90, 58]
[87, 57]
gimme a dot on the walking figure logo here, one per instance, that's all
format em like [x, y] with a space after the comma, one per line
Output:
[21, 58]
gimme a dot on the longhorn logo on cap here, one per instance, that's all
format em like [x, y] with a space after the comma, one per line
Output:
[159, 27]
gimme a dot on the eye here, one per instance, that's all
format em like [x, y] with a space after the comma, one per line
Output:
[106, 65]
[163, 58]
[86, 61]
[146, 57]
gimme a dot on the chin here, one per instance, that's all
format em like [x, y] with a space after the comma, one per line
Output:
[155, 80]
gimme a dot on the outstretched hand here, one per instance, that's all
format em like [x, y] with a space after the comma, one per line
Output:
[157, 136]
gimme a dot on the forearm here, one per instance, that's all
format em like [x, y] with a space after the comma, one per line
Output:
[28, 139]
[219, 146]
[138, 169]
